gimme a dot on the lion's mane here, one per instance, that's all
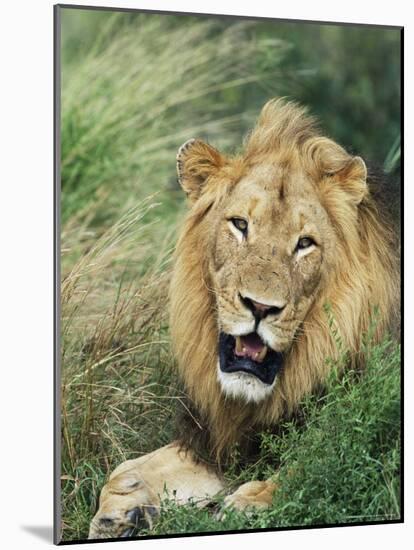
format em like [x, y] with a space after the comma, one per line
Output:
[365, 277]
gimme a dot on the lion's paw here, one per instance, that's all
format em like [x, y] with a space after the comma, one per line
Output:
[251, 496]
[126, 505]
[121, 524]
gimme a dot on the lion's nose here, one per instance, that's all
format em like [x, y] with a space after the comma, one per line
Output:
[260, 309]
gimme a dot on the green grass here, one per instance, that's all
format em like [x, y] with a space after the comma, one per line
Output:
[129, 102]
[133, 89]
[341, 465]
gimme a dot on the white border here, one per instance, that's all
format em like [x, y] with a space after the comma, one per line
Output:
[26, 270]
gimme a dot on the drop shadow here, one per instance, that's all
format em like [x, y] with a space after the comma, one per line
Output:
[43, 532]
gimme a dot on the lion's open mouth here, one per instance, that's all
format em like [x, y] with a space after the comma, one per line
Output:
[249, 354]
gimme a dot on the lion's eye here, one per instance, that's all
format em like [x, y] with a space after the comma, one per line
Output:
[240, 224]
[304, 242]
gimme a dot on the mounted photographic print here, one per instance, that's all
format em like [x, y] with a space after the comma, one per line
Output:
[228, 285]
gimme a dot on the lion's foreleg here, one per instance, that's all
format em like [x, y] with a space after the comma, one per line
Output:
[135, 489]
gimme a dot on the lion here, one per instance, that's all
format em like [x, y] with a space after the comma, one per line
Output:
[273, 237]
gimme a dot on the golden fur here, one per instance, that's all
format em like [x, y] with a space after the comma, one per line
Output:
[287, 148]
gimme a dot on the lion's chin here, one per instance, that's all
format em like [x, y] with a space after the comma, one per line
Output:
[239, 385]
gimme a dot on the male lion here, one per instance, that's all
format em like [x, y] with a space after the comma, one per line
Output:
[272, 236]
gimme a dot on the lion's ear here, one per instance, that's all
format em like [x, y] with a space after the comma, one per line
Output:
[352, 178]
[196, 162]
[349, 172]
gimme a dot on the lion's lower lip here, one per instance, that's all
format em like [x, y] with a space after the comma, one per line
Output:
[265, 368]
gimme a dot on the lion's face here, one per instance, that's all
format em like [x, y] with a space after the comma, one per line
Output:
[266, 233]
[272, 235]
[272, 247]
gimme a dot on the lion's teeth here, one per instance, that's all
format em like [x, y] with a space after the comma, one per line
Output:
[242, 350]
[239, 348]
[260, 356]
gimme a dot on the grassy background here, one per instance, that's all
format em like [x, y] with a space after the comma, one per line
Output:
[134, 87]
